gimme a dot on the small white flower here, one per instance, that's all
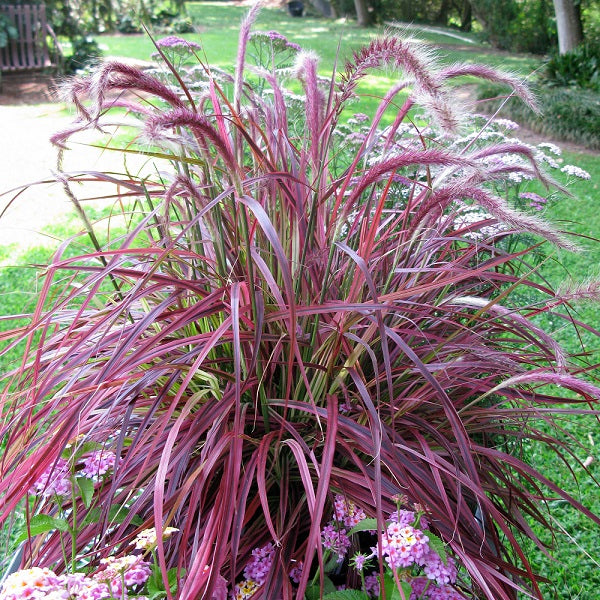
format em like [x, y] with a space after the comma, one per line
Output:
[541, 157]
[506, 124]
[552, 148]
[576, 172]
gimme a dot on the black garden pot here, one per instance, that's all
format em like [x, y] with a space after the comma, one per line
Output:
[295, 8]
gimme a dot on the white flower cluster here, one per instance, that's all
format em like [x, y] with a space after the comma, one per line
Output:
[576, 172]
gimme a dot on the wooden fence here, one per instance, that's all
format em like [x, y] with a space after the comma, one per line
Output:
[29, 50]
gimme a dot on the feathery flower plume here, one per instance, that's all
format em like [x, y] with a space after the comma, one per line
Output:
[499, 208]
[527, 325]
[199, 125]
[416, 60]
[116, 76]
[515, 82]
[240, 62]
[547, 377]
[411, 157]
[305, 69]
[570, 291]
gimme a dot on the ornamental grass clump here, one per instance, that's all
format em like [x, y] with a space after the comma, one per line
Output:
[295, 333]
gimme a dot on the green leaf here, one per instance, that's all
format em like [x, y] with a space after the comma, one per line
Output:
[39, 524]
[137, 521]
[86, 487]
[155, 586]
[116, 514]
[76, 450]
[391, 589]
[406, 588]
[331, 563]
[438, 546]
[313, 592]
[172, 578]
[92, 516]
[347, 595]
[364, 525]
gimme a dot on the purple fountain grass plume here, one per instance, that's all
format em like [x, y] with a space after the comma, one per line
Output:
[305, 69]
[512, 148]
[499, 208]
[527, 326]
[497, 170]
[446, 110]
[431, 205]
[412, 57]
[542, 377]
[416, 60]
[60, 138]
[116, 76]
[240, 61]
[580, 291]
[487, 169]
[387, 166]
[73, 91]
[484, 72]
[199, 125]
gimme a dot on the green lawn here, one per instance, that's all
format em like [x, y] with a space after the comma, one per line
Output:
[218, 28]
[576, 570]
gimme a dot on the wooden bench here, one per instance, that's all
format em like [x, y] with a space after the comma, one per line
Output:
[29, 51]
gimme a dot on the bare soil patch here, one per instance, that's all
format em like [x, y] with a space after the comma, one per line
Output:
[27, 88]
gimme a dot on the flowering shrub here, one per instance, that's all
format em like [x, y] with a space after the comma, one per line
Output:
[406, 554]
[114, 581]
[58, 489]
[293, 315]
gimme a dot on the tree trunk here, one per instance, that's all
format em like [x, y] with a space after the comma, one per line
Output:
[324, 7]
[362, 13]
[442, 16]
[466, 16]
[568, 24]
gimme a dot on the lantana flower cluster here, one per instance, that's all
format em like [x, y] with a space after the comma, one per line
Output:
[117, 579]
[147, 539]
[54, 481]
[121, 577]
[255, 572]
[405, 544]
[123, 572]
[57, 479]
[405, 549]
[335, 535]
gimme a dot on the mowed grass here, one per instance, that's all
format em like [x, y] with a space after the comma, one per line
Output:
[574, 570]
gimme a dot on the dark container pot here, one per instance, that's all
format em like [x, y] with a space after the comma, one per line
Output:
[295, 8]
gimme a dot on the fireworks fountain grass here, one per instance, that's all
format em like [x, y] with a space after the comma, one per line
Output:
[294, 317]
